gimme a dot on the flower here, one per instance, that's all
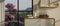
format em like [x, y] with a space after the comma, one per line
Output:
[9, 6]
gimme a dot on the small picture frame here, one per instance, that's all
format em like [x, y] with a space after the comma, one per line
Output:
[44, 3]
[40, 22]
[49, 3]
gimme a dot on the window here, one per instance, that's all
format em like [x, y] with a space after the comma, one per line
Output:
[15, 11]
[25, 8]
[12, 14]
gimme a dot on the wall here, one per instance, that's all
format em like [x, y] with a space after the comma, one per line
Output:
[2, 18]
[53, 13]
